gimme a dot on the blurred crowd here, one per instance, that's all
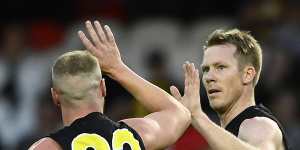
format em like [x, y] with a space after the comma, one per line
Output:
[155, 38]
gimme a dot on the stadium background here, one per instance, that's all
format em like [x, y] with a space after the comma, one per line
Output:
[155, 38]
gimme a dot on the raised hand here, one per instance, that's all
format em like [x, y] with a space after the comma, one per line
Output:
[191, 97]
[102, 45]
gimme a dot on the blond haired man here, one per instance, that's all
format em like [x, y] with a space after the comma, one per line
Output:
[231, 67]
[79, 90]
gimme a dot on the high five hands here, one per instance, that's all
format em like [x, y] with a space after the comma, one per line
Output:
[191, 97]
[102, 45]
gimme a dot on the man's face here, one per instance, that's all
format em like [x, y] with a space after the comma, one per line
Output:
[221, 76]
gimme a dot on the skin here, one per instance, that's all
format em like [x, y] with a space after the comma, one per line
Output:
[165, 108]
[221, 72]
[230, 91]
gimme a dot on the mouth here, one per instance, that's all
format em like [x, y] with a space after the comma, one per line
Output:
[213, 91]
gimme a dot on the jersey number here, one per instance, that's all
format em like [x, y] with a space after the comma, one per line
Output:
[97, 142]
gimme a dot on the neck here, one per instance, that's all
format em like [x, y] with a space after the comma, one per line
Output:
[70, 114]
[246, 100]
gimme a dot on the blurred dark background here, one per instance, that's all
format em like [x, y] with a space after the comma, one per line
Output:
[155, 38]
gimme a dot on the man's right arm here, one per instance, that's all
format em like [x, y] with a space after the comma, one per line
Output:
[169, 118]
[162, 124]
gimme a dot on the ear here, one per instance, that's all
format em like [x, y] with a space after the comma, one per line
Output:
[55, 98]
[248, 75]
[102, 88]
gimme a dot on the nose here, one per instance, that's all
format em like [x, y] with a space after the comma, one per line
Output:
[209, 77]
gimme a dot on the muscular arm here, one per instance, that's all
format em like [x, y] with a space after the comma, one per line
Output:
[262, 133]
[169, 118]
[254, 134]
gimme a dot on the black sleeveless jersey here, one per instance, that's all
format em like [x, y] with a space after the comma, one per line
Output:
[251, 112]
[97, 132]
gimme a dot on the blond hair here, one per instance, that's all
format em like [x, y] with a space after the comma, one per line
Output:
[75, 74]
[248, 49]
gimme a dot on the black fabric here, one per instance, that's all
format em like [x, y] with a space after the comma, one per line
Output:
[251, 112]
[94, 123]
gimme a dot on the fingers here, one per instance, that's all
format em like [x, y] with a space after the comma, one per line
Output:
[110, 35]
[86, 42]
[191, 71]
[99, 38]
[186, 77]
[92, 33]
[196, 77]
[175, 92]
[100, 31]
[192, 81]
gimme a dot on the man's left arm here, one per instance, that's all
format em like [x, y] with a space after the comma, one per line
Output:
[258, 133]
[262, 133]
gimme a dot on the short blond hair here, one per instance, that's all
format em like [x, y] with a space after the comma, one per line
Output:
[248, 50]
[75, 73]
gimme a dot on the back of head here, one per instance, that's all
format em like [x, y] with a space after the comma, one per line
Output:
[248, 50]
[76, 76]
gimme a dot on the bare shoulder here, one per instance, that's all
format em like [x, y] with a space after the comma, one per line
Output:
[45, 144]
[158, 125]
[146, 128]
[261, 132]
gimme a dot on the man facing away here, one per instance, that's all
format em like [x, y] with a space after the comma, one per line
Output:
[231, 67]
[79, 90]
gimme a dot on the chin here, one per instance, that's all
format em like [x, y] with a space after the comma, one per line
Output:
[213, 104]
[218, 107]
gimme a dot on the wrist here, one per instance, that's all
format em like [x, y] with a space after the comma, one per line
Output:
[117, 71]
[199, 114]
[199, 120]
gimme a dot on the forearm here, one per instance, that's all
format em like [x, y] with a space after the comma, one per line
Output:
[149, 95]
[217, 137]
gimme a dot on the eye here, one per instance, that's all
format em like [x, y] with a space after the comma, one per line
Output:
[205, 69]
[221, 67]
